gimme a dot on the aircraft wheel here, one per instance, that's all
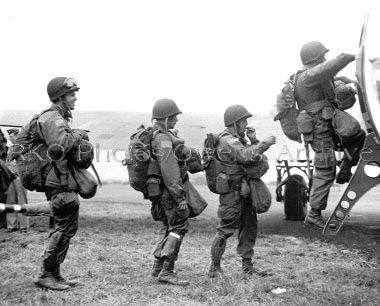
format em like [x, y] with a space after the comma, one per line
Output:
[295, 198]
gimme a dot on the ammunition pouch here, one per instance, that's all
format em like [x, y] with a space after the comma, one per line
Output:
[317, 106]
[154, 188]
[325, 159]
[222, 183]
[154, 183]
[305, 125]
[219, 175]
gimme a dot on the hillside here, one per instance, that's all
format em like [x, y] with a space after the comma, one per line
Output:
[111, 130]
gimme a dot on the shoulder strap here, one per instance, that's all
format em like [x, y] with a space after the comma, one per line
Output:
[224, 133]
[32, 128]
[294, 85]
[41, 113]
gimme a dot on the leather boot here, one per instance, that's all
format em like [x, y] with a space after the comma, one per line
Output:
[314, 217]
[344, 174]
[171, 266]
[47, 280]
[215, 269]
[157, 266]
[169, 277]
[247, 267]
[61, 279]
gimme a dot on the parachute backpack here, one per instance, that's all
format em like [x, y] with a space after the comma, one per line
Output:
[30, 152]
[287, 111]
[138, 158]
[219, 175]
[210, 162]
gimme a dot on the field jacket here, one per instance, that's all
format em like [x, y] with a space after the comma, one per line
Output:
[54, 131]
[163, 151]
[234, 150]
[316, 83]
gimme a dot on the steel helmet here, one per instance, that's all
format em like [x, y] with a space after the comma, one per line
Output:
[60, 86]
[312, 51]
[234, 113]
[165, 108]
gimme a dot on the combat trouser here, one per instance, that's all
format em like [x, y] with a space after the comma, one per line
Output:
[324, 142]
[175, 228]
[65, 208]
[16, 194]
[235, 215]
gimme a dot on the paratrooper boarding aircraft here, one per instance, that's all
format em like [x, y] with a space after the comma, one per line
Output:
[367, 174]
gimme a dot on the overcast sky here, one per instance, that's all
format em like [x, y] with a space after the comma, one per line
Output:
[206, 55]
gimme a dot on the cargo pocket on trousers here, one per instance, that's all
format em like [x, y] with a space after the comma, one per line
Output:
[64, 200]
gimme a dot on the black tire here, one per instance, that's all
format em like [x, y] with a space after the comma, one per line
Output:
[295, 198]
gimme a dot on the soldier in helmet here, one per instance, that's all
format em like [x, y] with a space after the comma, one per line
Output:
[317, 101]
[61, 187]
[16, 194]
[173, 198]
[235, 210]
[3, 196]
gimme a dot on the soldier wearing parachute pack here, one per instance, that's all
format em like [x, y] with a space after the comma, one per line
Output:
[232, 172]
[158, 163]
[49, 159]
[321, 98]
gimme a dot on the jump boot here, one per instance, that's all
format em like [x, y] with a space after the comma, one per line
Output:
[47, 280]
[215, 269]
[248, 268]
[314, 217]
[157, 266]
[344, 174]
[61, 279]
[217, 250]
[168, 276]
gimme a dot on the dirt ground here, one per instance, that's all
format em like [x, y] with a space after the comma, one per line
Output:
[361, 230]
[111, 257]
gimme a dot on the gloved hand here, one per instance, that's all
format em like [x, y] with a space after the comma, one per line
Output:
[182, 205]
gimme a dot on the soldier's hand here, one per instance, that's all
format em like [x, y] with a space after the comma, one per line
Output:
[251, 132]
[271, 140]
[344, 79]
[182, 205]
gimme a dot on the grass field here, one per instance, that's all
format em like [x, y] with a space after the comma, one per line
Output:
[111, 257]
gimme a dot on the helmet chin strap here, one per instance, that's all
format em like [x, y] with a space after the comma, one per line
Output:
[65, 109]
[166, 124]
